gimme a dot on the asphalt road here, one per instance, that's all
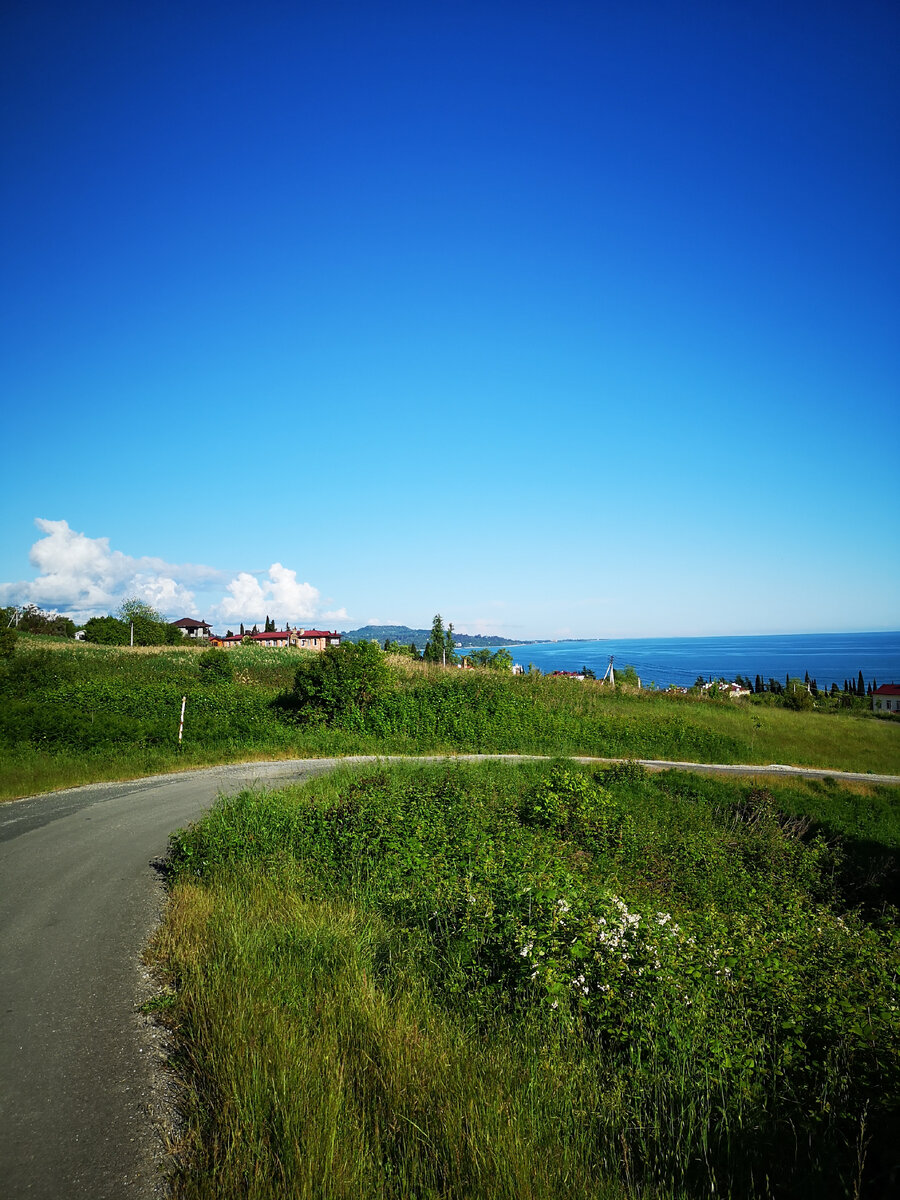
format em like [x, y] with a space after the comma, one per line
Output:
[79, 897]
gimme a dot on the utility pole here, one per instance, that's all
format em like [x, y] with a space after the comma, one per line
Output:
[610, 673]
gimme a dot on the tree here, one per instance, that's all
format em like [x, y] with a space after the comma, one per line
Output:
[796, 695]
[149, 627]
[450, 646]
[479, 658]
[242, 628]
[52, 624]
[8, 639]
[107, 631]
[499, 660]
[436, 646]
[860, 685]
[502, 660]
[588, 673]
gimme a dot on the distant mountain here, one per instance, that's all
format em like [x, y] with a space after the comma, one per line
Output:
[418, 637]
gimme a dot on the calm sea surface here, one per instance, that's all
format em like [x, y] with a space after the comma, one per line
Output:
[828, 657]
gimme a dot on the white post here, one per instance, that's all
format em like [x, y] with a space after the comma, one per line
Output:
[132, 634]
[181, 722]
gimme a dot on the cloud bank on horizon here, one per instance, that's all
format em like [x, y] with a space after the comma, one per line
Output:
[83, 577]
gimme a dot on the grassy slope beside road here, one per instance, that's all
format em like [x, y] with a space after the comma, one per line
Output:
[73, 714]
[536, 980]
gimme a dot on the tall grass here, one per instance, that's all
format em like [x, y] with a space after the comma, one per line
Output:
[531, 980]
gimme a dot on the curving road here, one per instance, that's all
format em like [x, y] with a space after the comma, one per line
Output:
[79, 897]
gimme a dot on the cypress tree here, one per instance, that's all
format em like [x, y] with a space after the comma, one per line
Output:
[758, 687]
[242, 628]
[448, 642]
[436, 645]
[861, 685]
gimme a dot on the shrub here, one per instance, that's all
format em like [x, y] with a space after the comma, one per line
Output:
[342, 682]
[8, 639]
[215, 666]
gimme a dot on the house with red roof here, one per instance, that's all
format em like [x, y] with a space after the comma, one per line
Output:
[886, 698]
[282, 639]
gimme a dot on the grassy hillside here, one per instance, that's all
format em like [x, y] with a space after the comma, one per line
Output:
[539, 981]
[72, 714]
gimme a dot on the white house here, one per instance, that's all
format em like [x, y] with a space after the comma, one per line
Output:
[191, 628]
[886, 698]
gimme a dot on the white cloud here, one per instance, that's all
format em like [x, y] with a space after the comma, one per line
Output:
[293, 600]
[82, 577]
[335, 614]
[279, 596]
[247, 599]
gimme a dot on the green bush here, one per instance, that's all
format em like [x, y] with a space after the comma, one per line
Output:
[8, 639]
[341, 684]
[215, 666]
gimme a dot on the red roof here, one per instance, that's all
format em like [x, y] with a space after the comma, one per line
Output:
[277, 633]
[190, 623]
[888, 689]
[315, 633]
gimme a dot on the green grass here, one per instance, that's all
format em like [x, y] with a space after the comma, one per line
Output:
[72, 714]
[538, 981]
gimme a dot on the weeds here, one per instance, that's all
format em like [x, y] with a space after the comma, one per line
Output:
[528, 980]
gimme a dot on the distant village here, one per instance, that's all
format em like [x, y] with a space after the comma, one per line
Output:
[274, 639]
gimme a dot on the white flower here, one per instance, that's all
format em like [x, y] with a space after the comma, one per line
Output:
[526, 949]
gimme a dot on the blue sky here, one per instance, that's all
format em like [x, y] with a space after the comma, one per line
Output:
[560, 320]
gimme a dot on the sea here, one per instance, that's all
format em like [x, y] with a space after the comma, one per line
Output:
[827, 657]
